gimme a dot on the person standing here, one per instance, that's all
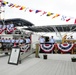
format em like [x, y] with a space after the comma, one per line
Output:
[21, 40]
[71, 38]
[27, 39]
[52, 40]
[42, 39]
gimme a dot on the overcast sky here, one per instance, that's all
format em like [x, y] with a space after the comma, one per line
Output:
[62, 7]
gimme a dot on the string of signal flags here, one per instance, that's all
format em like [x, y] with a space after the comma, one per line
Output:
[48, 14]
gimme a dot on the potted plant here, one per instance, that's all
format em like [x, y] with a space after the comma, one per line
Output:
[45, 56]
[73, 59]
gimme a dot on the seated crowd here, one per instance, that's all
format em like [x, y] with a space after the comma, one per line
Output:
[15, 40]
[8, 43]
[9, 27]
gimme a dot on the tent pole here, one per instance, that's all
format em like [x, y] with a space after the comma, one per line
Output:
[57, 32]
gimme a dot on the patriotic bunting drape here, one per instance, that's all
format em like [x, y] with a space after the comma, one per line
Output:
[52, 15]
[65, 47]
[9, 29]
[25, 47]
[46, 48]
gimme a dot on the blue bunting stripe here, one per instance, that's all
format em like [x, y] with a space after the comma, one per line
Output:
[65, 48]
[47, 47]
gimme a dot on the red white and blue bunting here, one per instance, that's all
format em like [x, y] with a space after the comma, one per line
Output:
[46, 48]
[25, 48]
[65, 47]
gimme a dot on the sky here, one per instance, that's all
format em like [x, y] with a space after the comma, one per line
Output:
[62, 7]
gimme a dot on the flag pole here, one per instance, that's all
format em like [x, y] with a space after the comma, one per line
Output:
[0, 13]
[0, 8]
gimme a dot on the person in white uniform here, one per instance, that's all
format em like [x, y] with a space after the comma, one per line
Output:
[0, 26]
[52, 40]
[42, 39]
[3, 40]
[11, 25]
[21, 40]
[27, 39]
[17, 41]
[13, 40]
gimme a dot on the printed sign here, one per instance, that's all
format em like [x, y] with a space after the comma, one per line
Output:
[14, 56]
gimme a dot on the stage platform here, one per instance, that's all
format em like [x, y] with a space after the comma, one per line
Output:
[55, 64]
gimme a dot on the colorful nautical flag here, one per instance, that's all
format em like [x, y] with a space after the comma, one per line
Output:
[53, 15]
[17, 6]
[21, 8]
[1, 0]
[30, 10]
[68, 19]
[56, 16]
[49, 14]
[37, 11]
[43, 13]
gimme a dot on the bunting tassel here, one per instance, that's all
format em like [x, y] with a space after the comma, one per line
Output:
[75, 21]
